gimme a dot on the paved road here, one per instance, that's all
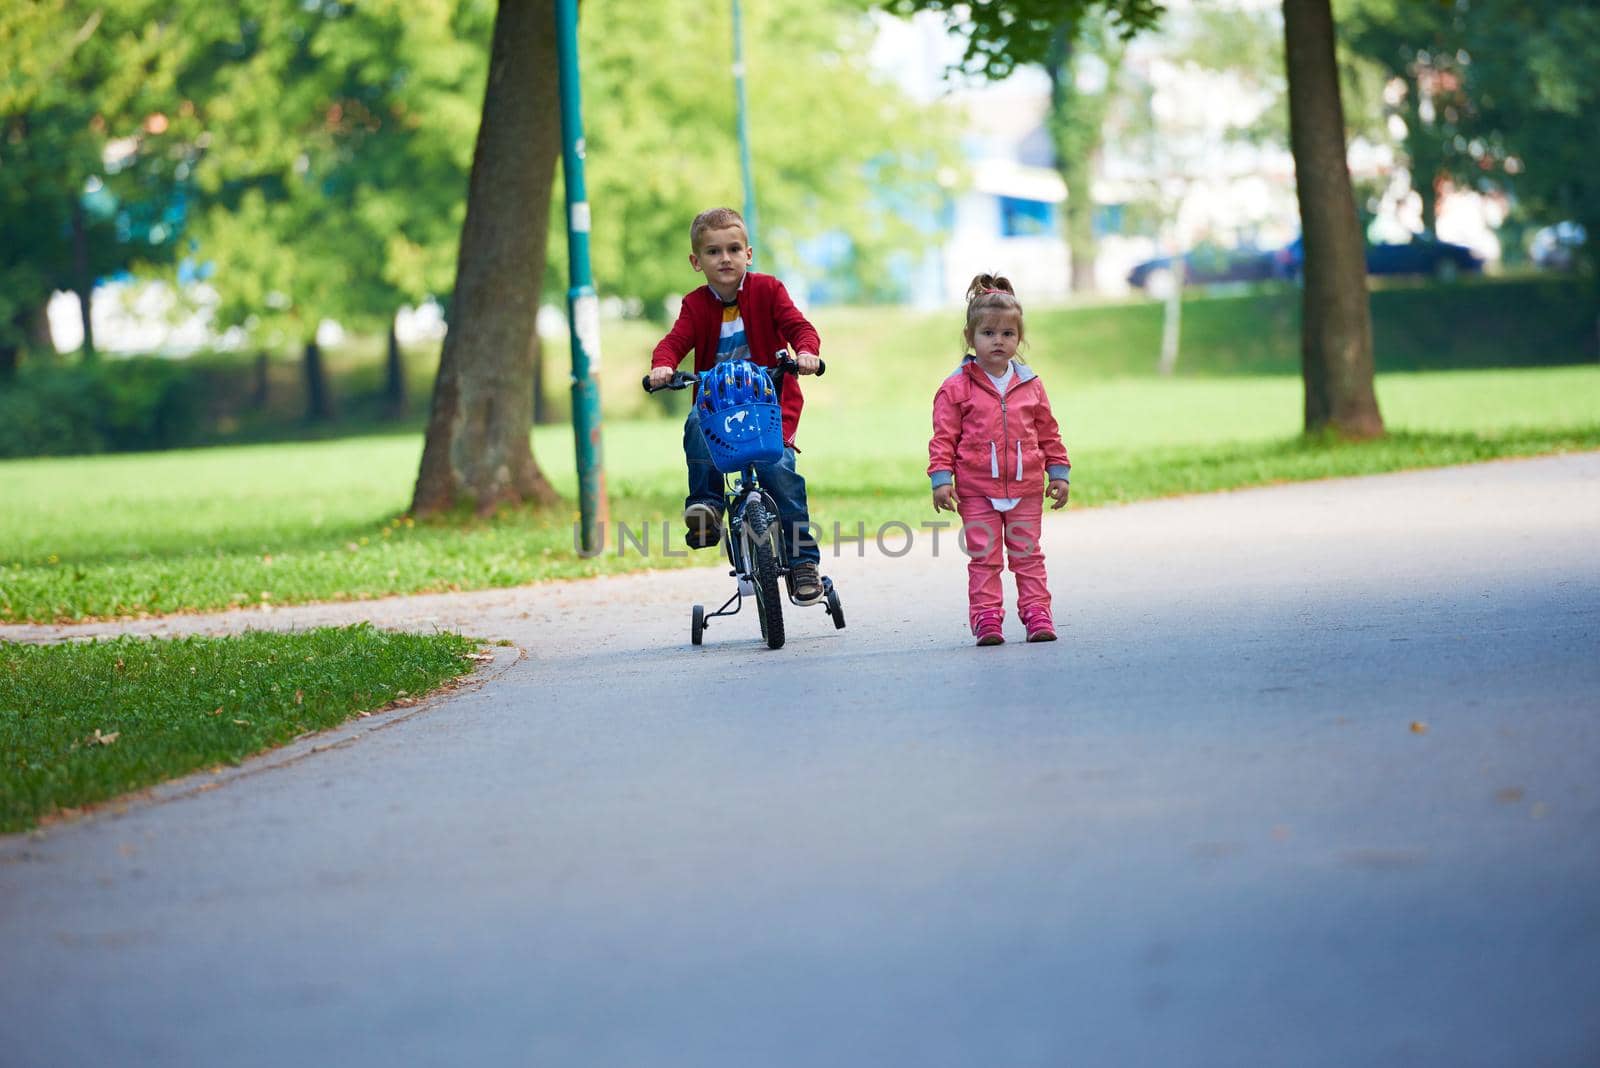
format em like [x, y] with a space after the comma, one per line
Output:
[1310, 780]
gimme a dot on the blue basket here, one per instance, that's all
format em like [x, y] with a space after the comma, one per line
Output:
[740, 416]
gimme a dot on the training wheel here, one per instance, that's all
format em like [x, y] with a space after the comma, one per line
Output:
[835, 609]
[697, 624]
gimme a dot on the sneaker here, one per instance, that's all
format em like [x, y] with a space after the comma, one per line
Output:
[1040, 626]
[705, 525]
[987, 628]
[804, 584]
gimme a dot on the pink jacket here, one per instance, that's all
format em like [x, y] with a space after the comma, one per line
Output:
[994, 446]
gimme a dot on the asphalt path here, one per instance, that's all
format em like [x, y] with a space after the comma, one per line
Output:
[1310, 779]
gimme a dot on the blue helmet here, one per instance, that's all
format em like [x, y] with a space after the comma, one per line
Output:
[734, 383]
[739, 415]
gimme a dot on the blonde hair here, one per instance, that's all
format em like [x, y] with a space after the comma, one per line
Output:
[715, 219]
[990, 293]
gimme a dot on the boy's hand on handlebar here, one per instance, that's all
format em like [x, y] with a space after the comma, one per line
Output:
[1057, 491]
[660, 376]
[808, 362]
[944, 498]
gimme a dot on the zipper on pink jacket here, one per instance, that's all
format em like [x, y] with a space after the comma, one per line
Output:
[1005, 427]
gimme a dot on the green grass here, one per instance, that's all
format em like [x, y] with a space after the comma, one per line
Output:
[207, 529]
[84, 722]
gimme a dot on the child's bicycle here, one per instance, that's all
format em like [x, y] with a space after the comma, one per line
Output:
[740, 418]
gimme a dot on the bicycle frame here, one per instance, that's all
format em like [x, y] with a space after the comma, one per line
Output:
[738, 499]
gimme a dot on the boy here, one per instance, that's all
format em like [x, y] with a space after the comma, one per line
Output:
[741, 314]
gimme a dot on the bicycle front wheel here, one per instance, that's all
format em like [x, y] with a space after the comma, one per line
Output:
[761, 556]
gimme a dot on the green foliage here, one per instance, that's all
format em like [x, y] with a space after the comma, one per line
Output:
[1498, 95]
[837, 148]
[54, 409]
[1004, 36]
[81, 723]
[332, 171]
[89, 126]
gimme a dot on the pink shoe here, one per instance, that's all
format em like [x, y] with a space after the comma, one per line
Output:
[1040, 627]
[987, 628]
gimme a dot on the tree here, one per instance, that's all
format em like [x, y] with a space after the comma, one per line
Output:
[1003, 36]
[837, 148]
[92, 134]
[477, 449]
[1083, 64]
[330, 183]
[1496, 96]
[1336, 344]
[1336, 320]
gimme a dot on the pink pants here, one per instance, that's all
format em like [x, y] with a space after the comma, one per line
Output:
[985, 530]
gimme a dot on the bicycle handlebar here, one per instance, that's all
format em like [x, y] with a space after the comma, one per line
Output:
[786, 364]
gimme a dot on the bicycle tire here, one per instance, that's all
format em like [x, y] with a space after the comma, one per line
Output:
[762, 558]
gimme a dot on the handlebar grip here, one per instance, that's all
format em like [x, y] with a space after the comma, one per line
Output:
[679, 380]
[786, 362]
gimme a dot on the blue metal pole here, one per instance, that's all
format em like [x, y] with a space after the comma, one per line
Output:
[744, 125]
[583, 305]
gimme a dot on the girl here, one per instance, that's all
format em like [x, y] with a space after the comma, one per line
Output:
[995, 441]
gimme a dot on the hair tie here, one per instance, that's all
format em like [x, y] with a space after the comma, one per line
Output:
[986, 292]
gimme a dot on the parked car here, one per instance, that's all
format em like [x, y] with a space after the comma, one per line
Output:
[1204, 264]
[1423, 254]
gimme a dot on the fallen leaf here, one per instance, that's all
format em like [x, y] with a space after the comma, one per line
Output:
[242, 722]
[1418, 727]
[215, 711]
[102, 739]
[1510, 795]
[299, 697]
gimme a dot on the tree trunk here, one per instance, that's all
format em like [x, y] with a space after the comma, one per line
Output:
[394, 378]
[542, 415]
[40, 340]
[1080, 223]
[30, 332]
[262, 387]
[1336, 332]
[1074, 125]
[319, 398]
[477, 449]
[82, 279]
[1426, 157]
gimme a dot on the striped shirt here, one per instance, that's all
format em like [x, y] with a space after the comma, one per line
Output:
[731, 342]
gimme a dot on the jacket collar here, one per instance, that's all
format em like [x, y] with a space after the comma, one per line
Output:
[1023, 371]
[718, 296]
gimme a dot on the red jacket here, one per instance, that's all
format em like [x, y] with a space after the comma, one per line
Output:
[993, 446]
[771, 321]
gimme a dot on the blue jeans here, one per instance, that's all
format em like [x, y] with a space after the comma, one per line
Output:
[779, 479]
